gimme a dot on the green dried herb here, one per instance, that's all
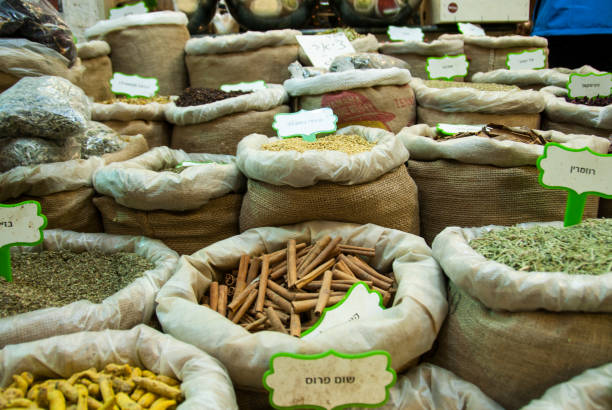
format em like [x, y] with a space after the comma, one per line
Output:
[582, 249]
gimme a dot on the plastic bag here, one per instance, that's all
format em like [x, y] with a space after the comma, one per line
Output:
[16, 152]
[99, 139]
[359, 61]
[38, 21]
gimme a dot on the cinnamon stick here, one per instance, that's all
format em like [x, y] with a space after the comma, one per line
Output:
[357, 250]
[281, 254]
[214, 295]
[314, 274]
[287, 294]
[371, 270]
[275, 321]
[324, 292]
[222, 303]
[245, 306]
[291, 264]
[362, 274]
[263, 283]
[238, 300]
[342, 266]
[300, 306]
[242, 274]
[283, 303]
[314, 252]
[295, 328]
[253, 270]
[282, 268]
[256, 323]
[323, 256]
[338, 274]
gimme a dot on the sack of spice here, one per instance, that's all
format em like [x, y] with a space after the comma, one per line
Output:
[531, 79]
[98, 69]
[590, 390]
[140, 357]
[406, 330]
[358, 168]
[476, 103]
[134, 116]
[416, 53]
[380, 98]
[362, 43]
[15, 152]
[360, 61]
[486, 178]
[486, 53]
[540, 293]
[150, 45]
[214, 121]
[235, 58]
[82, 281]
[187, 201]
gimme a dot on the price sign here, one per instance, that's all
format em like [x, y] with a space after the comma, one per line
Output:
[305, 124]
[329, 380]
[452, 129]
[405, 33]
[470, 29]
[128, 10]
[526, 60]
[589, 85]
[580, 172]
[245, 87]
[134, 85]
[20, 224]
[447, 67]
[322, 49]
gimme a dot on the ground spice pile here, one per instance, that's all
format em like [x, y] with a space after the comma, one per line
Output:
[199, 96]
[582, 249]
[57, 278]
[349, 144]
[138, 101]
[594, 101]
[476, 86]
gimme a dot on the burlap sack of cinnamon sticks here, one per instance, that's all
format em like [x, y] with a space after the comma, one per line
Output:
[406, 330]
[550, 326]
[475, 181]
[287, 187]
[187, 211]
[204, 381]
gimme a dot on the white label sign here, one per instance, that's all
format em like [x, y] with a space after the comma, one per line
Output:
[526, 60]
[305, 123]
[128, 10]
[579, 170]
[589, 85]
[447, 67]
[134, 85]
[322, 49]
[452, 129]
[246, 87]
[329, 380]
[470, 29]
[20, 224]
[405, 33]
[359, 305]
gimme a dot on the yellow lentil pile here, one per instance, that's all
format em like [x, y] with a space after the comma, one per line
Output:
[349, 144]
[477, 86]
[139, 100]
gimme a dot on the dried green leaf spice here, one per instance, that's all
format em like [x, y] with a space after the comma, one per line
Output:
[582, 249]
[349, 144]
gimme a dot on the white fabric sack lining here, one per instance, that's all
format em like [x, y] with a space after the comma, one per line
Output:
[232, 43]
[93, 49]
[101, 28]
[499, 42]
[435, 48]
[557, 109]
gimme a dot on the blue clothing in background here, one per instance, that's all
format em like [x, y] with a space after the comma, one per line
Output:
[572, 17]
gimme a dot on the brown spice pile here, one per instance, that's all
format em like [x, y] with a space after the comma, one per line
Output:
[476, 86]
[199, 96]
[349, 144]
[501, 133]
[138, 100]
[593, 102]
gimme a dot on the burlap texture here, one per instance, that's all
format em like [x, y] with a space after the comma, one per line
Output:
[416, 53]
[514, 357]
[390, 201]
[457, 194]
[267, 63]
[156, 133]
[183, 231]
[569, 128]
[432, 117]
[390, 107]
[96, 78]
[483, 59]
[222, 135]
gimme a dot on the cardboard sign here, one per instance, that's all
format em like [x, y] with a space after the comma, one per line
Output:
[246, 87]
[305, 124]
[128, 10]
[405, 33]
[329, 380]
[589, 85]
[580, 172]
[359, 303]
[470, 29]
[322, 49]
[526, 60]
[134, 85]
[447, 67]
[452, 129]
[20, 224]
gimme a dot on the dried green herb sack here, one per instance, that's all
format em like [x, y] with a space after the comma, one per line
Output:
[15, 152]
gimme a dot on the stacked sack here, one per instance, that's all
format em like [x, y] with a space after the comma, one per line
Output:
[187, 210]
[532, 79]
[98, 69]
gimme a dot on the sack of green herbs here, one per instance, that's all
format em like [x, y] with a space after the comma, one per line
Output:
[98, 69]
[74, 282]
[531, 305]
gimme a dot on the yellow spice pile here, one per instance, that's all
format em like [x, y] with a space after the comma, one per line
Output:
[350, 144]
[138, 100]
[477, 86]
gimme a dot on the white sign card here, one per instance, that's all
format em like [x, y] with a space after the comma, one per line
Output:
[452, 129]
[322, 49]
[589, 85]
[470, 29]
[245, 87]
[396, 33]
[447, 67]
[306, 124]
[128, 10]
[526, 60]
[134, 85]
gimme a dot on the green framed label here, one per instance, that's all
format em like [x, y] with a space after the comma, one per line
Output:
[589, 85]
[526, 60]
[134, 85]
[452, 129]
[305, 124]
[396, 33]
[128, 10]
[447, 67]
[470, 29]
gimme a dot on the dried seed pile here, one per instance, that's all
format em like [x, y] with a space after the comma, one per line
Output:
[287, 290]
[117, 386]
[349, 144]
[501, 133]
[199, 96]
[160, 99]
[594, 101]
[476, 86]
[57, 278]
[582, 249]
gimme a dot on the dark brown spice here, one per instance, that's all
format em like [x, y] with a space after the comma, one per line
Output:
[594, 101]
[199, 96]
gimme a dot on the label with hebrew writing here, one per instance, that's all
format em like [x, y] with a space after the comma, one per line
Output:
[447, 67]
[128, 10]
[526, 60]
[134, 85]
[305, 124]
[470, 29]
[452, 129]
[396, 33]
[322, 49]
[589, 85]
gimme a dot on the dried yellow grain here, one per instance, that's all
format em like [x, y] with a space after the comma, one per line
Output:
[349, 144]
[160, 99]
[477, 86]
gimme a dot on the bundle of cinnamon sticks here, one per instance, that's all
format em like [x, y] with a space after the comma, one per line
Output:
[287, 290]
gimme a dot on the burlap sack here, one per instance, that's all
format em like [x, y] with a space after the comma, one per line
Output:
[288, 187]
[485, 53]
[150, 45]
[591, 390]
[475, 181]
[405, 330]
[219, 126]
[416, 53]
[157, 133]
[379, 98]
[544, 333]
[98, 69]
[204, 381]
[234, 58]
[431, 116]
[130, 306]
[366, 44]
[531, 79]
